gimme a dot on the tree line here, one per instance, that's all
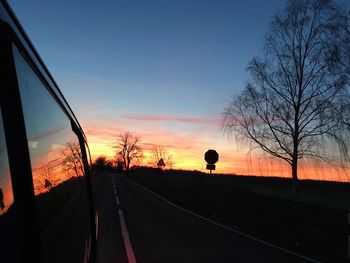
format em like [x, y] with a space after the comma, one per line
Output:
[129, 151]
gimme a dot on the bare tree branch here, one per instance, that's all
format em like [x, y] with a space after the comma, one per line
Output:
[161, 152]
[128, 149]
[73, 160]
[297, 95]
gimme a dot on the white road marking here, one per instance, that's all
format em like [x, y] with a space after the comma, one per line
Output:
[115, 192]
[127, 244]
[228, 228]
[117, 200]
[125, 234]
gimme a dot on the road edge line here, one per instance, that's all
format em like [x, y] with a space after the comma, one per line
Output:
[226, 227]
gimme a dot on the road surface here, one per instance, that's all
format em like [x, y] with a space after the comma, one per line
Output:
[137, 226]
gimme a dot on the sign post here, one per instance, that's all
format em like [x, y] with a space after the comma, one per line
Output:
[160, 165]
[211, 157]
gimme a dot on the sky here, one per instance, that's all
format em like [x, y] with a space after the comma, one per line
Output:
[163, 70]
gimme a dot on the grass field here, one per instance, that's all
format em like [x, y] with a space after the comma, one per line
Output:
[262, 207]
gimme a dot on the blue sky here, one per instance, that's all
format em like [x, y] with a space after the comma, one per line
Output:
[161, 69]
[188, 56]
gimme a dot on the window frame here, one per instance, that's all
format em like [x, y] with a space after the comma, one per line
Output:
[12, 34]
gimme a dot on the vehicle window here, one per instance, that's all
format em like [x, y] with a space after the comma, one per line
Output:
[8, 241]
[57, 170]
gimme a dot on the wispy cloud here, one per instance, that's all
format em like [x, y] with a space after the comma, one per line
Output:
[46, 134]
[172, 118]
[33, 144]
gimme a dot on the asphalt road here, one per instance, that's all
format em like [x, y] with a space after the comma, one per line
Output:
[110, 246]
[159, 232]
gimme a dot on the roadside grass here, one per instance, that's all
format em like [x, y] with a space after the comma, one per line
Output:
[262, 207]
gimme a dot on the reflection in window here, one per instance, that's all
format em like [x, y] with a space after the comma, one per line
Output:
[6, 195]
[73, 160]
[57, 170]
[8, 228]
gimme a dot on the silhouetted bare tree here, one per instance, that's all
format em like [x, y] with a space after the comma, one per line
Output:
[342, 23]
[100, 163]
[161, 152]
[73, 160]
[296, 99]
[342, 47]
[128, 149]
[103, 164]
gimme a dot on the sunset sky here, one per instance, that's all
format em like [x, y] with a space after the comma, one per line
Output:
[163, 70]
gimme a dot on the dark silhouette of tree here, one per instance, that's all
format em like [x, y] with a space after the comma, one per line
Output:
[103, 164]
[342, 48]
[120, 165]
[128, 149]
[100, 163]
[295, 102]
[343, 36]
[73, 160]
[161, 152]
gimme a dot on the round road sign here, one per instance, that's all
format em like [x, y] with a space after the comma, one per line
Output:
[211, 156]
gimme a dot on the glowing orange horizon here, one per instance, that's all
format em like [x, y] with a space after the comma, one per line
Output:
[191, 158]
[188, 142]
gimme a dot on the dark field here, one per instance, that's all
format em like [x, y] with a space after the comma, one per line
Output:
[262, 207]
